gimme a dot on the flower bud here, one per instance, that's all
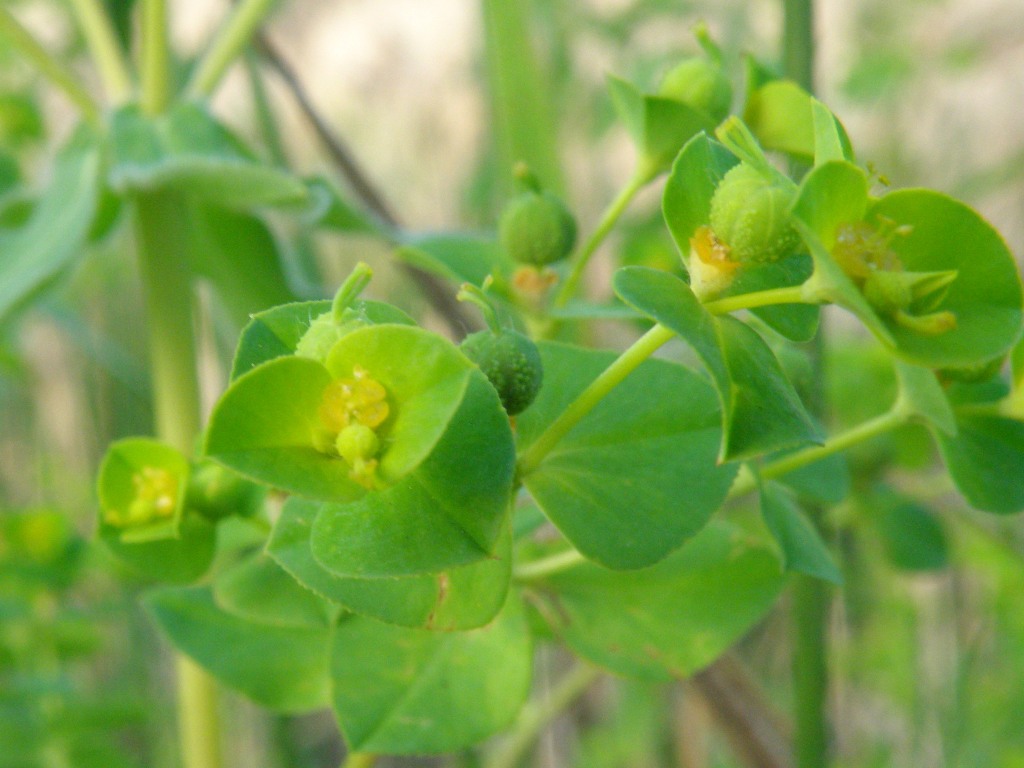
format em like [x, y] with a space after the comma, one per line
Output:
[511, 362]
[701, 84]
[537, 228]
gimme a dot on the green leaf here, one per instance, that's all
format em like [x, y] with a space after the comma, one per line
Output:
[672, 619]
[766, 413]
[696, 173]
[257, 589]
[460, 258]
[760, 410]
[986, 461]
[826, 481]
[411, 691]
[658, 126]
[462, 598]
[264, 424]
[830, 140]
[277, 331]
[922, 397]
[986, 295]
[330, 210]
[637, 476]
[283, 668]
[448, 511]
[797, 322]
[179, 560]
[914, 539]
[803, 549]
[238, 254]
[187, 151]
[56, 230]
[784, 117]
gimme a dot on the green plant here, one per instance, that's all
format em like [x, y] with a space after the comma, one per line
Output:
[406, 544]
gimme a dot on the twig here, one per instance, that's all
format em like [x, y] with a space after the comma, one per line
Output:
[435, 291]
[756, 732]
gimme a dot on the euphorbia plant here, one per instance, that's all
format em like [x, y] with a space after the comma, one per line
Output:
[422, 511]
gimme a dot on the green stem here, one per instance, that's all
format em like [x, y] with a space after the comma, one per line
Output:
[604, 226]
[106, 50]
[161, 230]
[359, 760]
[49, 67]
[611, 377]
[265, 119]
[228, 45]
[536, 716]
[789, 295]
[798, 42]
[867, 430]
[155, 57]
[545, 566]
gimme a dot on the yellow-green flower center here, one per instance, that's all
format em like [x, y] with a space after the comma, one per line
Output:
[156, 498]
[351, 409]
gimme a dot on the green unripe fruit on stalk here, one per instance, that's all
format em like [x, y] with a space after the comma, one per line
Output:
[512, 364]
[699, 83]
[750, 216]
[537, 228]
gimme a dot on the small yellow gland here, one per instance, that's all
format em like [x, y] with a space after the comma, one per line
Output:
[359, 399]
[712, 269]
[156, 498]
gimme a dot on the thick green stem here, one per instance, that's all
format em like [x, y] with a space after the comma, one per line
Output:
[798, 42]
[50, 68]
[161, 230]
[608, 219]
[228, 45]
[610, 378]
[156, 57]
[536, 716]
[106, 51]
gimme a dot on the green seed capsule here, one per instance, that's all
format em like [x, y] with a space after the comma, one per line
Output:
[699, 83]
[750, 216]
[537, 228]
[325, 331]
[512, 364]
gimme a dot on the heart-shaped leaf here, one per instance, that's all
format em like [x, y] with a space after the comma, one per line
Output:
[463, 598]
[411, 691]
[257, 589]
[283, 668]
[803, 549]
[637, 476]
[668, 620]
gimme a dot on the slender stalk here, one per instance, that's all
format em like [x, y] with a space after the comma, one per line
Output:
[611, 377]
[155, 57]
[789, 295]
[106, 50]
[611, 215]
[49, 67]
[867, 430]
[536, 716]
[161, 228]
[545, 566]
[228, 44]
[798, 42]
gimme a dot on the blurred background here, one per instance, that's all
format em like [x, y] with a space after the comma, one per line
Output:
[928, 638]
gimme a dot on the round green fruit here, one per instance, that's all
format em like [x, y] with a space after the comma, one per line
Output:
[537, 228]
[699, 83]
[750, 216]
[512, 364]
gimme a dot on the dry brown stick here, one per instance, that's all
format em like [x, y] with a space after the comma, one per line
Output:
[436, 292]
[757, 733]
